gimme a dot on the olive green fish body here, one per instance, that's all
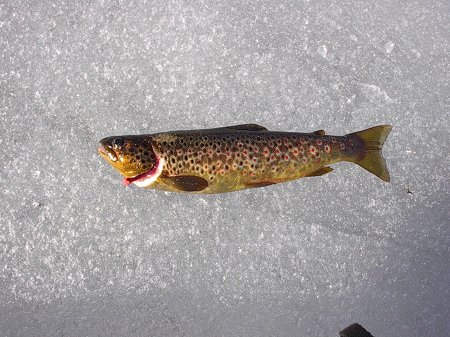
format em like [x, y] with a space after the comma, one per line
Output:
[235, 160]
[245, 156]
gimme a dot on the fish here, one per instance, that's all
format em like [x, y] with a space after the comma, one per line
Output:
[238, 157]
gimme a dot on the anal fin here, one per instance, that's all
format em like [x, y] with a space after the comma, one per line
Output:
[257, 184]
[185, 183]
[320, 172]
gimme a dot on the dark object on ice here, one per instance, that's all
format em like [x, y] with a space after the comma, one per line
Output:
[355, 330]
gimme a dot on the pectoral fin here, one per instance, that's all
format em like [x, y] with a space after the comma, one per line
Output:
[247, 127]
[185, 183]
[320, 172]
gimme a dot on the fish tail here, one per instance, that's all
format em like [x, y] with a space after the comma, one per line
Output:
[369, 155]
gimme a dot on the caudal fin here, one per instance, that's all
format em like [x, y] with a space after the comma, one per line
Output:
[371, 158]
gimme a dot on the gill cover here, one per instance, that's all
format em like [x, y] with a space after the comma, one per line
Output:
[131, 156]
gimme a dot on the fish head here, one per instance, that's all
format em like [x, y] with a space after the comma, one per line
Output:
[132, 156]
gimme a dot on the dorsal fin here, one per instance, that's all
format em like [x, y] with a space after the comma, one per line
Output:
[319, 132]
[247, 127]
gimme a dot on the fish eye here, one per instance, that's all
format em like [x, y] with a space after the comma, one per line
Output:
[118, 142]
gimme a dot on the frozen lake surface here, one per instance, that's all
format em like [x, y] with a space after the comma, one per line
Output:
[82, 255]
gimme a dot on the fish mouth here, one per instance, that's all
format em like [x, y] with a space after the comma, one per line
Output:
[107, 153]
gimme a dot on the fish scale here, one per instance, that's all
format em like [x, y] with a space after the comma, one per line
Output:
[244, 156]
[282, 156]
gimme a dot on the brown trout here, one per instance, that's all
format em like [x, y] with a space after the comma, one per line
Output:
[238, 157]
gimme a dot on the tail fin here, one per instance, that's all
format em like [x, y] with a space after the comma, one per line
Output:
[371, 158]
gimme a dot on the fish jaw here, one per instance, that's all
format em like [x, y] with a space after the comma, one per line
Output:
[107, 153]
[148, 178]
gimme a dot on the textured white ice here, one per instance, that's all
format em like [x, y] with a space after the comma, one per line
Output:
[82, 255]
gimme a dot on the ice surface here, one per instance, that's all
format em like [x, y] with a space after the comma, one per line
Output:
[82, 255]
